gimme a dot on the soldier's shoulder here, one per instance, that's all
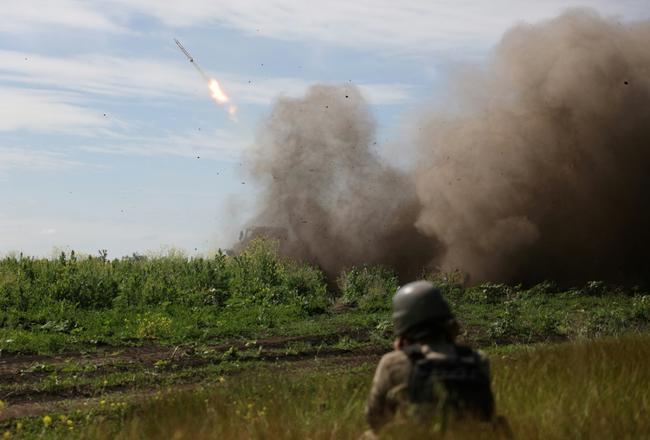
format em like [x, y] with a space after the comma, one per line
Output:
[394, 358]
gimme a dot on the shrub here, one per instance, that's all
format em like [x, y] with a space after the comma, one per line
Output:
[307, 285]
[506, 324]
[451, 284]
[369, 288]
[543, 288]
[489, 293]
[153, 325]
[594, 288]
[256, 274]
[260, 276]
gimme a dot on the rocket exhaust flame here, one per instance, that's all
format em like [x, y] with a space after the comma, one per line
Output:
[216, 92]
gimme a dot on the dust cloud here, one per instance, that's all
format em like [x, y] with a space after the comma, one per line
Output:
[325, 183]
[537, 168]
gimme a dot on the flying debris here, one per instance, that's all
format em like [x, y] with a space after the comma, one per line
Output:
[216, 92]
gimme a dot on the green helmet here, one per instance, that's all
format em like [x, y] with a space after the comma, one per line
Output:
[416, 303]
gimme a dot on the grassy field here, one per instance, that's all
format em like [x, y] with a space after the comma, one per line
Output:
[589, 389]
[256, 346]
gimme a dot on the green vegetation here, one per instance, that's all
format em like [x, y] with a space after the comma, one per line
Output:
[74, 303]
[368, 288]
[272, 349]
[588, 389]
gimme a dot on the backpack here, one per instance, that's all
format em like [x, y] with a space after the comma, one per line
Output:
[455, 384]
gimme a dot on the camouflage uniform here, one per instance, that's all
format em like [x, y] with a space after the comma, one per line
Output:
[422, 317]
[388, 394]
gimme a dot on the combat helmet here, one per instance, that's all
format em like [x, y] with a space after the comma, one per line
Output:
[418, 303]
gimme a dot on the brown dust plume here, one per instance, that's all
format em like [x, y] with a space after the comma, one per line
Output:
[326, 185]
[538, 168]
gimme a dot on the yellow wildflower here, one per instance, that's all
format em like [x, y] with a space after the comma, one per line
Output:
[69, 422]
[222, 379]
[102, 402]
[6, 435]
[2, 404]
[19, 426]
[47, 421]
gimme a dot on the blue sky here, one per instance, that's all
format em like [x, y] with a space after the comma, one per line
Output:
[108, 137]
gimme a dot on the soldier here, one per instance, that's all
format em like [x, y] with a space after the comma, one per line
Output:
[428, 378]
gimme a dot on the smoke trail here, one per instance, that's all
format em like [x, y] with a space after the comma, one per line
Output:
[543, 171]
[341, 204]
[540, 171]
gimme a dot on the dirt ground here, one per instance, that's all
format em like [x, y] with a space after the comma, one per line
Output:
[32, 401]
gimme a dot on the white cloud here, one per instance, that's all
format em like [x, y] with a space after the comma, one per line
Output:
[408, 25]
[31, 159]
[414, 26]
[142, 77]
[212, 145]
[19, 16]
[46, 111]
[99, 74]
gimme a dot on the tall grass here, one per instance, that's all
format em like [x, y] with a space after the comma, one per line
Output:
[95, 283]
[48, 305]
[77, 303]
[585, 390]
